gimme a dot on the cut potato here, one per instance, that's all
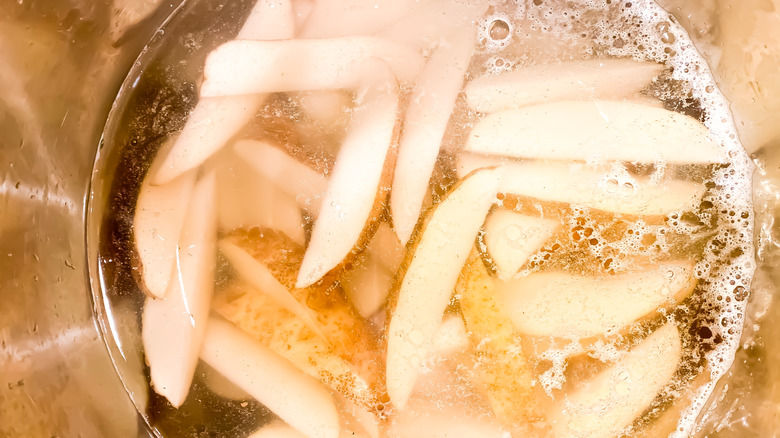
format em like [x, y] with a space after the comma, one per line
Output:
[595, 130]
[252, 67]
[159, 217]
[173, 327]
[369, 281]
[259, 276]
[209, 127]
[247, 199]
[336, 18]
[221, 386]
[430, 106]
[586, 186]
[572, 80]
[344, 359]
[271, 379]
[296, 179]
[577, 307]
[324, 107]
[451, 337]
[502, 366]
[432, 422]
[429, 280]
[612, 400]
[512, 238]
[367, 284]
[269, 20]
[276, 429]
[355, 180]
[214, 121]
[425, 25]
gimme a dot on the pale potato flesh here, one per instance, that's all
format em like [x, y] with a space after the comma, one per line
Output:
[577, 307]
[598, 188]
[608, 403]
[254, 67]
[590, 79]
[173, 327]
[511, 238]
[278, 384]
[430, 107]
[428, 282]
[595, 130]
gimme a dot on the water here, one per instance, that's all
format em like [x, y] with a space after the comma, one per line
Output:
[717, 234]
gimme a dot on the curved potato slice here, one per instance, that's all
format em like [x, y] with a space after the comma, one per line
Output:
[429, 281]
[612, 400]
[430, 107]
[356, 177]
[343, 357]
[173, 327]
[572, 80]
[252, 67]
[270, 379]
[259, 276]
[503, 368]
[579, 184]
[159, 217]
[577, 307]
[512, 238]
[595, 130]
[296, 179]
[276, 429]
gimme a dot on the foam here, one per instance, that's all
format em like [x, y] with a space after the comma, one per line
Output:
[642, 30]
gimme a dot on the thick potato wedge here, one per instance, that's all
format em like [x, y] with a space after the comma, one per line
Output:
[572, 80]
[345, 359]
[595, 130]
[503, 368]
[429, 280]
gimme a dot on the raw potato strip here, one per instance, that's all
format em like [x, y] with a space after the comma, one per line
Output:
[259, 276]
[298, 180]
[173, 327]
[369, 281]
[606, 405]
[424, 26]
[215, 120]
[300, 400]
[577, 307]
[582, 185]
[355, 179]
[502, 366]
[430, 107]
[336, 18]
[595, 130]
[159, 217]
[431, 422]
[246, 199]
[511, 238]
[345, 359]
[250, 67]
[276, 429]
[269, 20]
[430, 278]
[573, 80]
